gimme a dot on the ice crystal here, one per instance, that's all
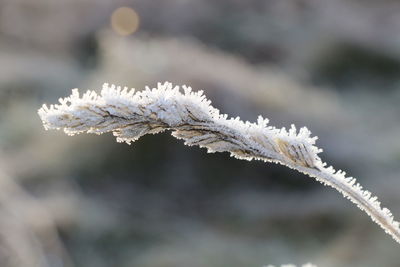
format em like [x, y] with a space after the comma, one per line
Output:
[190, 116]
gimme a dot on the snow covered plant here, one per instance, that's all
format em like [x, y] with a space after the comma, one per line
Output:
[190, 116]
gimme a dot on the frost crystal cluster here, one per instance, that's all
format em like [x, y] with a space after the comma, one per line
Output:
[190, 116]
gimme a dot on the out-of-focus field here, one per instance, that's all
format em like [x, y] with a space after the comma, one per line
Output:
[87, 201]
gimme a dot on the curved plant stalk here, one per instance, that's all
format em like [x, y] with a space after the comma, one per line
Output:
[190, 116]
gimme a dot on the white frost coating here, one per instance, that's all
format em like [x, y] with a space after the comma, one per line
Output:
[190, 116]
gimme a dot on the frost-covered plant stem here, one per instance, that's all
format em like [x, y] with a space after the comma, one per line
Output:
[190, 116]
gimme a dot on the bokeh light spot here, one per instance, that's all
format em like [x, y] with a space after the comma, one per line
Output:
[124, 21]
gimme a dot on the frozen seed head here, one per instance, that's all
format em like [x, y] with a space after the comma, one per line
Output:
[190, 116]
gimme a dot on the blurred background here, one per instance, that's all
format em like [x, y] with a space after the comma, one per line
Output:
[87, 201]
